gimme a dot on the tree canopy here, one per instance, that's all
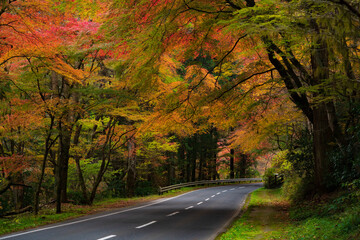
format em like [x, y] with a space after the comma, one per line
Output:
[120, 97]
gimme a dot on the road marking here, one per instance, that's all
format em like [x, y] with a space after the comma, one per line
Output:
[172, 214]
[199, 203]
[218, 193]
[232, 189]
[104, 238]
[92, 218]
[241, 187]
[213, 196]
[189, 207]
[207, 199]
[147, 224]
[224, 191]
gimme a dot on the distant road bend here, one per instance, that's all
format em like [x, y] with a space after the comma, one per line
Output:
[200, 214]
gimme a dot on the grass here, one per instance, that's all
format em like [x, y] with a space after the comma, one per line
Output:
[47, 216]
[270, 216]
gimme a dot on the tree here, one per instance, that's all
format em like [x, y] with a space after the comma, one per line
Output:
[307, 70]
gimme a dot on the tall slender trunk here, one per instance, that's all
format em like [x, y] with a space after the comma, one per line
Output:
[201, 158]
[78, 166]
[213, 153]
[48, 145]
[193, 157]
[182, 161]
[131, 172]
[232, 156]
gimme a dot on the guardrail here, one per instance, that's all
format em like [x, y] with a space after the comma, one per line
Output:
[206, 182]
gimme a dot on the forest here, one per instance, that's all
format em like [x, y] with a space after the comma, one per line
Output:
[114, 98]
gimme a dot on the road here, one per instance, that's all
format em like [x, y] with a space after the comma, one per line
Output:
[200, 214]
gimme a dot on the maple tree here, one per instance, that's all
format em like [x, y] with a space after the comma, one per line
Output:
[120, 97]
[307, 65]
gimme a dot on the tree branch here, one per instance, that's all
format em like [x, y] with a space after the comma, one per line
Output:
[241, 81]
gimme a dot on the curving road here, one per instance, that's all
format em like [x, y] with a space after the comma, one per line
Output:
[200, 214]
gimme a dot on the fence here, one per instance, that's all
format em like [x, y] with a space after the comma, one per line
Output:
[206, 182]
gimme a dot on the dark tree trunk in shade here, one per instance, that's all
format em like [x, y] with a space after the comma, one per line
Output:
[131, 172]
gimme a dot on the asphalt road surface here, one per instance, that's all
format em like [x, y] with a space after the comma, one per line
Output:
[200, 214]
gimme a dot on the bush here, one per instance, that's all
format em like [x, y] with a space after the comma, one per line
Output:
[76, 197]
[269, 177]
[144, 188]
[295, 188]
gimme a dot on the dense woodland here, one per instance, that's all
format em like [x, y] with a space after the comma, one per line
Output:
[115, 98]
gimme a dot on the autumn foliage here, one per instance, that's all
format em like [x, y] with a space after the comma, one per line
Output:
[115, 98]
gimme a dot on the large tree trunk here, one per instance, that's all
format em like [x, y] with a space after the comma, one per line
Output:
[321, 127]
[232, 172]
[243, 164]
[131, 172]
[62, 166]
[322, 136]
[64, 158]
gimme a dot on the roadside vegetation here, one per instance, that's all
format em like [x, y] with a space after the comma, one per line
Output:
[271, 215]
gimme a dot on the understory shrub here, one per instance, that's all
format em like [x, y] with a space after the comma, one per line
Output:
[269, 177]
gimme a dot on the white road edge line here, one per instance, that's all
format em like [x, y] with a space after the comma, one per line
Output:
[147, 224]
[207, 199]
[104, 238]
[199, 203]
[189, 207]
[93, 218]
[172, 214]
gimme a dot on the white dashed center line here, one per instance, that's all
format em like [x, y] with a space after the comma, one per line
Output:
[189, 207]
[172, 214]
[199, 203]
[224, 191]
[207, 199]
[232, 189]
[241, 187]
[104, 238]
[218, 193]
[213, 196]
[145, 225]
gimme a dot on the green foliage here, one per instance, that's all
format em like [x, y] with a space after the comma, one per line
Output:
[145, 188]
[116, 187]
[296, 188]
[296, 164]
[346, 161]
[76, 197]
[269, 177]
[5, 204]
[300, 155]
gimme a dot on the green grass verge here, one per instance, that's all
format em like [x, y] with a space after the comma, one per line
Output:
[48, 215]
[270, 216]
